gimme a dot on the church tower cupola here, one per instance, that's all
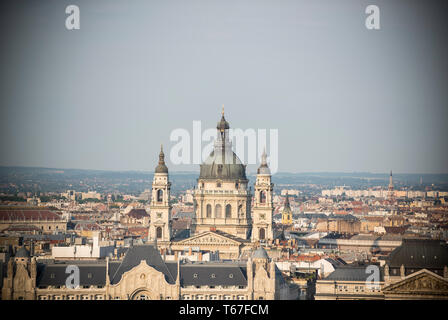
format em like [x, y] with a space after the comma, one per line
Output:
[263, 209]
[160, 207]
[161, 167]
[287, 212]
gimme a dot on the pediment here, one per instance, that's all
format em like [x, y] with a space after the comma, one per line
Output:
[209, 237]
[142, 273]
[421, 282]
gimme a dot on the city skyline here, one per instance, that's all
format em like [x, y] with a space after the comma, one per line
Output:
[343, 98]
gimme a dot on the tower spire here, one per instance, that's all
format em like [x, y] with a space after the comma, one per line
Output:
[161, 156]
[287, 201]
[391, 184]
[263, 157]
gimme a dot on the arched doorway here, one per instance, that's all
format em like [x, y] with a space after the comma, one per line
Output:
[141, 295]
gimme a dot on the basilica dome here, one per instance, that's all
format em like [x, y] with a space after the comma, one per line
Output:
[223, 165]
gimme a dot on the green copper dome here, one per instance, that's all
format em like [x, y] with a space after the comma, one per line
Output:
[223, 163]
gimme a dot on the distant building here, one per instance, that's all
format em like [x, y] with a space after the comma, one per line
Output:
[45, 220]
[90, 195]
[418, 269]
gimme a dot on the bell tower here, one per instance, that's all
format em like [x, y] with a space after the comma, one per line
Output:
[287, 212]
[390, 188]
[159, 227]
[263, 204]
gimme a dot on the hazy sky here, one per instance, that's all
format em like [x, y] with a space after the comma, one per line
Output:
[342, 97]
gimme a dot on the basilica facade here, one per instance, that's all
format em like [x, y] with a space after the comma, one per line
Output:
[224, 219]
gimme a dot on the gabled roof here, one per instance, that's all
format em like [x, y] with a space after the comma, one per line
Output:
[431, 280]
[213, 235]
[135, 255]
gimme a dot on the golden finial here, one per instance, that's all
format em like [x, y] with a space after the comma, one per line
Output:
[222, 110]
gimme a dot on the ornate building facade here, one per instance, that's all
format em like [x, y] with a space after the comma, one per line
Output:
[222, 199]
[224, 220]
[143, 275]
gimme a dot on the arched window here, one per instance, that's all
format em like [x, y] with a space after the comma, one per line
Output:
[159, 232]
[262, 197]
[209, 211]
[159, 195]
[228, 211]
[262, 234]
[218, 211]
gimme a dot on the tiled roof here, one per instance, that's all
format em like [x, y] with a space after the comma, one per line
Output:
[138, 213]
[28, 215]
[87, 226]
